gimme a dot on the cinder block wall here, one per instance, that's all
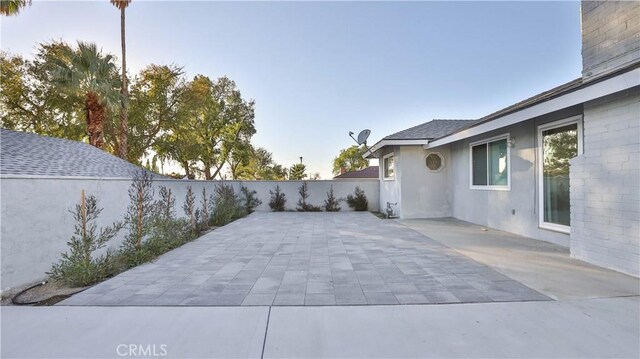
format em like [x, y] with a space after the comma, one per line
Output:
[605, 185]
[610, 35]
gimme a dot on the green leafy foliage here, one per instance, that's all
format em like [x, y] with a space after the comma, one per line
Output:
[358, 201]
[332, 204]
[138, 220]
[193, 213]
[350, 159]
[297, 172]
[250, 202]
[278, 200]
[227, 206]
[81, 266]
[303, 206]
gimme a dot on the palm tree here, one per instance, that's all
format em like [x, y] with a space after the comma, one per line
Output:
[12, 7]
[89, 73]
[124, 120]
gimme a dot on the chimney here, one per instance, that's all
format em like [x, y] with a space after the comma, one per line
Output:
[610, 35]
[343, 170]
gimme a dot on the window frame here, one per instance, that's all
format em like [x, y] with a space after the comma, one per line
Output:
[539, 167]
[384, 167]
[488, 187]
[442, 162]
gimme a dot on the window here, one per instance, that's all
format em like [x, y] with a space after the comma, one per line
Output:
[434, 162]
[490, 164]
[387, 165]
[558, 143]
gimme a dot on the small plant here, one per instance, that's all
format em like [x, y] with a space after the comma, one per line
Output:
[250, 200]
[303, 206]
[204, 225]
[331, 204]
[167, 231]
[278, 200]
[193, 213]
[227, 206]
[79, 266]
[358, 201]
[137, 218]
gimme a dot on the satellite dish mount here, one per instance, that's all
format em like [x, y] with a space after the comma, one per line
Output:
[362, 138]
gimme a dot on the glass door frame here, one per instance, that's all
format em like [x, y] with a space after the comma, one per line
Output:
[547, 126]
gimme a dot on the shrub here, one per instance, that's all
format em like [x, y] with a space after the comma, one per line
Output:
[227, 206]
[167, 231]
[331, 204]
[206, 218]
[358, 201]
[250, 201]
[278, 200]
[79, 266]
[138, 220]
[193, 213]
[303, 206]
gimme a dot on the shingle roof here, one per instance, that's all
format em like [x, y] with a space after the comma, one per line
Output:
[430, 130]
[24, 153]
[369, 172]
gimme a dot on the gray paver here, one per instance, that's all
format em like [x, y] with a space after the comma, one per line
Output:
[296, 259]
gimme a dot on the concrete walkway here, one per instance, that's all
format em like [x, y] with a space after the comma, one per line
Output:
[543, 266]
[344, 258]
[592, 328]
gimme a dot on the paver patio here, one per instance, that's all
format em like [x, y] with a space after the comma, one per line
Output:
[290, 258]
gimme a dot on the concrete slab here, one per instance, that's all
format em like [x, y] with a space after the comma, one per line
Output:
[111, 332]
[540, 265]
[595, 328]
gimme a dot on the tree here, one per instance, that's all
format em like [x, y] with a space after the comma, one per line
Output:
[124, 91]
[214, 120]
[31, 101]
[154, 108]
[86, 71]
[12, 7]
[351, 159]
[297, 172]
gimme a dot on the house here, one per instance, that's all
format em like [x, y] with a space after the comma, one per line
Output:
[369, 172]
[562, 166]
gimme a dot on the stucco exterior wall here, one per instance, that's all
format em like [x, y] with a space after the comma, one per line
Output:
[390, 189]
[514, 210]
[605, 185]
[36, 223]
[426, 194]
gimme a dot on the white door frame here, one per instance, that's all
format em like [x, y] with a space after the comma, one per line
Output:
[567, 121]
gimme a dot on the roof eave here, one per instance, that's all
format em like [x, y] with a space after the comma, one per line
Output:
[371, 151]
[590, 91]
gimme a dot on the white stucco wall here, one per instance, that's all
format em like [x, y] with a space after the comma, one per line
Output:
[495, 208]
[390, 189]
[35, 223]
[605, 185]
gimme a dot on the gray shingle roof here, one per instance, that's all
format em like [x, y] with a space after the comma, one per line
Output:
[24, 153]
[369, 172]
[430, 130]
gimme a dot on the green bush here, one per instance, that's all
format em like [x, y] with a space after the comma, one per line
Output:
[250, 202]
[358, 201]
[80, 266]
[227, 207]
[303, 206]
[278, 200]
[193, 213]
[138, 221]
[332, 204]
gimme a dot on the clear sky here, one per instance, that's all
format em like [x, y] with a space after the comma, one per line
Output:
[318, 70]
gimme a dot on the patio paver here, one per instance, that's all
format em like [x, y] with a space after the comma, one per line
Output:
[314, 259]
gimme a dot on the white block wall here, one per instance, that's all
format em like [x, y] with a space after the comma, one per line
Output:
[605, 185]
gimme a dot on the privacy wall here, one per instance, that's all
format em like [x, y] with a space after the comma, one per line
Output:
[36, 223]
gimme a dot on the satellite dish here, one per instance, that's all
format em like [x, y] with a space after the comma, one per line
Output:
[362, 136]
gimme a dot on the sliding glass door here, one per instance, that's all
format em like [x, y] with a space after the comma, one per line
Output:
[558, 143]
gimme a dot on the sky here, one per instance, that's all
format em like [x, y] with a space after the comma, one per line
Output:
[318, 70]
